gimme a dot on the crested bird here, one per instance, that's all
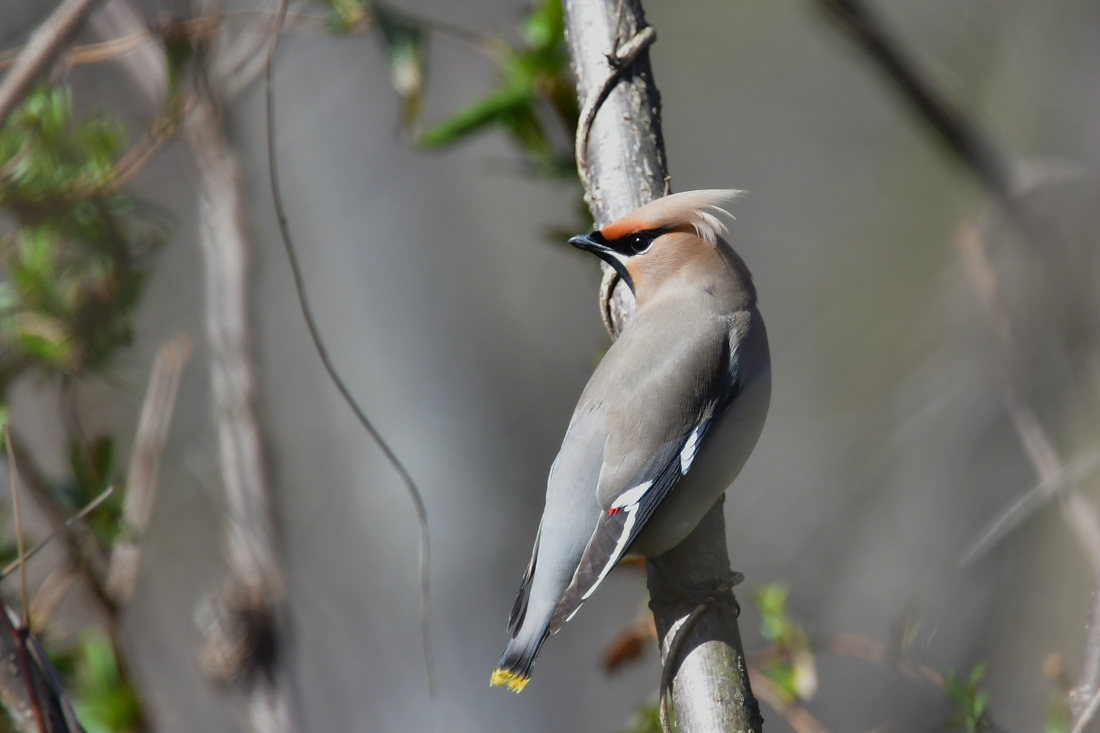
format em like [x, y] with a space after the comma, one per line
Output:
[665, 423]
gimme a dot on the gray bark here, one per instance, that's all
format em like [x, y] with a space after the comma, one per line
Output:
[626, 167]
[710, 688]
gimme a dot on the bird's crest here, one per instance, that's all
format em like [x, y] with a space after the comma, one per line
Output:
[698, 209]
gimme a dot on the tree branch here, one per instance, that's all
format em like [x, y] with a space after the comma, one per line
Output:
[242, 621]
[1080, 517]
[626, 168]
[47, 41]
[969, 143]
[81, 548]
[253, 555]
[144, 469]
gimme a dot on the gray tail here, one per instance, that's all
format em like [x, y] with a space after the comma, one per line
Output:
[514, 668]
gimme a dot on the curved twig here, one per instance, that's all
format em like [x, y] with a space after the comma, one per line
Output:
[671, 658]
[620, 63]
[315, 334]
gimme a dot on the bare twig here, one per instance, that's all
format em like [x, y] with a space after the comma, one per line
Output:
[19, 641]
[47, 41]
[861, 647]
[59, 701]
[1020, 508]
[92, 506]
[315, 334]
[147, 65]
[620, 61]
[311, 24]
[134, 159]
[14, 469]
[90, 53]
[1081, 518]
[81, 549]
[30, 687]
[966, 140]
[144, 470]
[50, 593]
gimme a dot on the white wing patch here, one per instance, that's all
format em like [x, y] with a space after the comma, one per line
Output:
[631, 496]
[628, 502]
[691, 448]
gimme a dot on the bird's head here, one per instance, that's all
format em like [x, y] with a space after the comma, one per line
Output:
[665, 237]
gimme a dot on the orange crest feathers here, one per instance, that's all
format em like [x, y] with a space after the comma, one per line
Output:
[699, 209]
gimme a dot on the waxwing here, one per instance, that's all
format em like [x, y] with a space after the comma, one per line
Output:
[664, 425]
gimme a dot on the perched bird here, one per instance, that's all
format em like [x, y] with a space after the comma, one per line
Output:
[664, 425]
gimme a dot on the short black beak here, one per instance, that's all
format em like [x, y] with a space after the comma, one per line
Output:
[597, 245]
[586, 242]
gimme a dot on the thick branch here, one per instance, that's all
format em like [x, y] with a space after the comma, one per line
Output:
[710, 690]
[626, 165]
[47, 41]
[244, 630]
[626, 168]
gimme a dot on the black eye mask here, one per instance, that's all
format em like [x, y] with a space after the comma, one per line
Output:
[612, 251]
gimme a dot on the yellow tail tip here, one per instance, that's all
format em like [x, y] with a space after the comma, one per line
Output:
[511, 680]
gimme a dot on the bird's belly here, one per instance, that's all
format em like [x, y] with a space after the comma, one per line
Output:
[723, 454]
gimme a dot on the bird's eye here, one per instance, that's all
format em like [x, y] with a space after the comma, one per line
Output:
[639, 243]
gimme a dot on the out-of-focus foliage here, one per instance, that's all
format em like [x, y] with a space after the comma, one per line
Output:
[534, 80]
[647, 719]
[793, 670]
[93, 471]
[104, 702]
[972, 703]
[347, 16]
[1059, 717]
[75, 257]
[534, 91]
[403, 41]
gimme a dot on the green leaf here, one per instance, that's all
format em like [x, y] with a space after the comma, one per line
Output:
[492, 109]
[544, 26]
[971, 713]
[771, 602]
[103, 700]
[534, 85]
[783, 676]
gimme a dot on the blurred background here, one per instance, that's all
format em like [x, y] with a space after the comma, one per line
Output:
[912, 324]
